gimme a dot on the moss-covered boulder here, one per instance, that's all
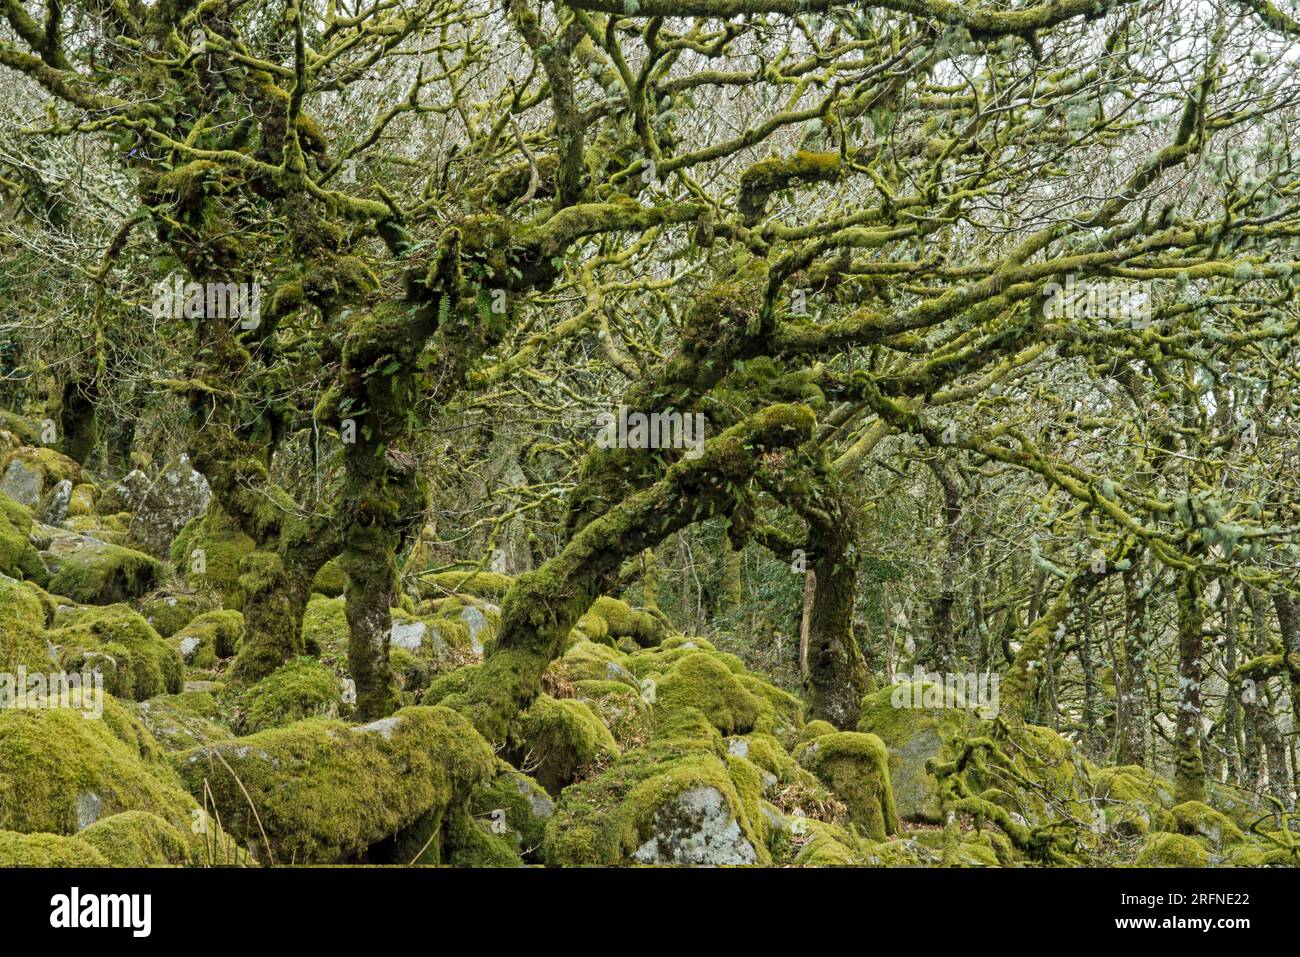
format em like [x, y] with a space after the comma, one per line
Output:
[169, 613]
[27, 473]
[82, 501]
[47, 850]
[101, 574]
[855, 766]
[140, 839]
[208, 552]
[179, 494]
[120, 645]
[61, 772]
[1173, 850]
[674, 801]
[22, 631]
[325, 791]
[914, 735]
[699, 680]
[588, 661]
[557, 740]
[210, 636]
[515, 807]
[331, 580]
[1197, 819]
[184, 720]
[18, 556]
[1134, 800]
[301, 688]
[608, 620]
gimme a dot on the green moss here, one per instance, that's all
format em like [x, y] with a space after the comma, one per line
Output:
[18, 556]
[1195, 818]
[472, 843]
[588, 661]
[223, 548]
[482, 584]
[60, 771]
[209, 637]
[47, 850]
[103, 574]
[914, 735]
[82, 501]
[185, 720]
[556, 740]
[325, 628]
[515, 806]
[301, 688]
[1173, 850]
[22, 631]
[331, 580]
[700, 681]
[779, 713]
[1134, 799]
[827, 845]
[170, 613]
[609, 619]
[325, 791]
[855, 766]
[632, 813]
[139, 839]
[815, 729]
[119, 644]
[453, 682]
[54, 466]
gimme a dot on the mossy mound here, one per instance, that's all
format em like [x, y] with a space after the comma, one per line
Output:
[22, 631]
[139, 839]
[18, 556]
[119, 644]
[326, 791]
[301, 688]
[1197, 819]
[27, 473]
[61, 772]
[211, 636]
[325, 628]
[208, 552]
[47, 850]
[184, 720]
[673, 801]
[169, 613]
[779, 713]
[557, 740]
[588, 661]
[608, 620]
[104, 574]
[622, 709]
[1173, 850]
[855, 766]
[699, 680]
[83, 500]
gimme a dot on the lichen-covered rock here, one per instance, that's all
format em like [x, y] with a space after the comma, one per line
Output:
[126, 495]
[54, 506]
[61, 772]
[699, 680]
[101, 574]
[557, 739]
[82, 500]
[673, 801]
[855, 766]
[301, 688]
[326, 791]
[1173, 850]
[120, 645]
[208, 552]
[28, 473]
[179, 494]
